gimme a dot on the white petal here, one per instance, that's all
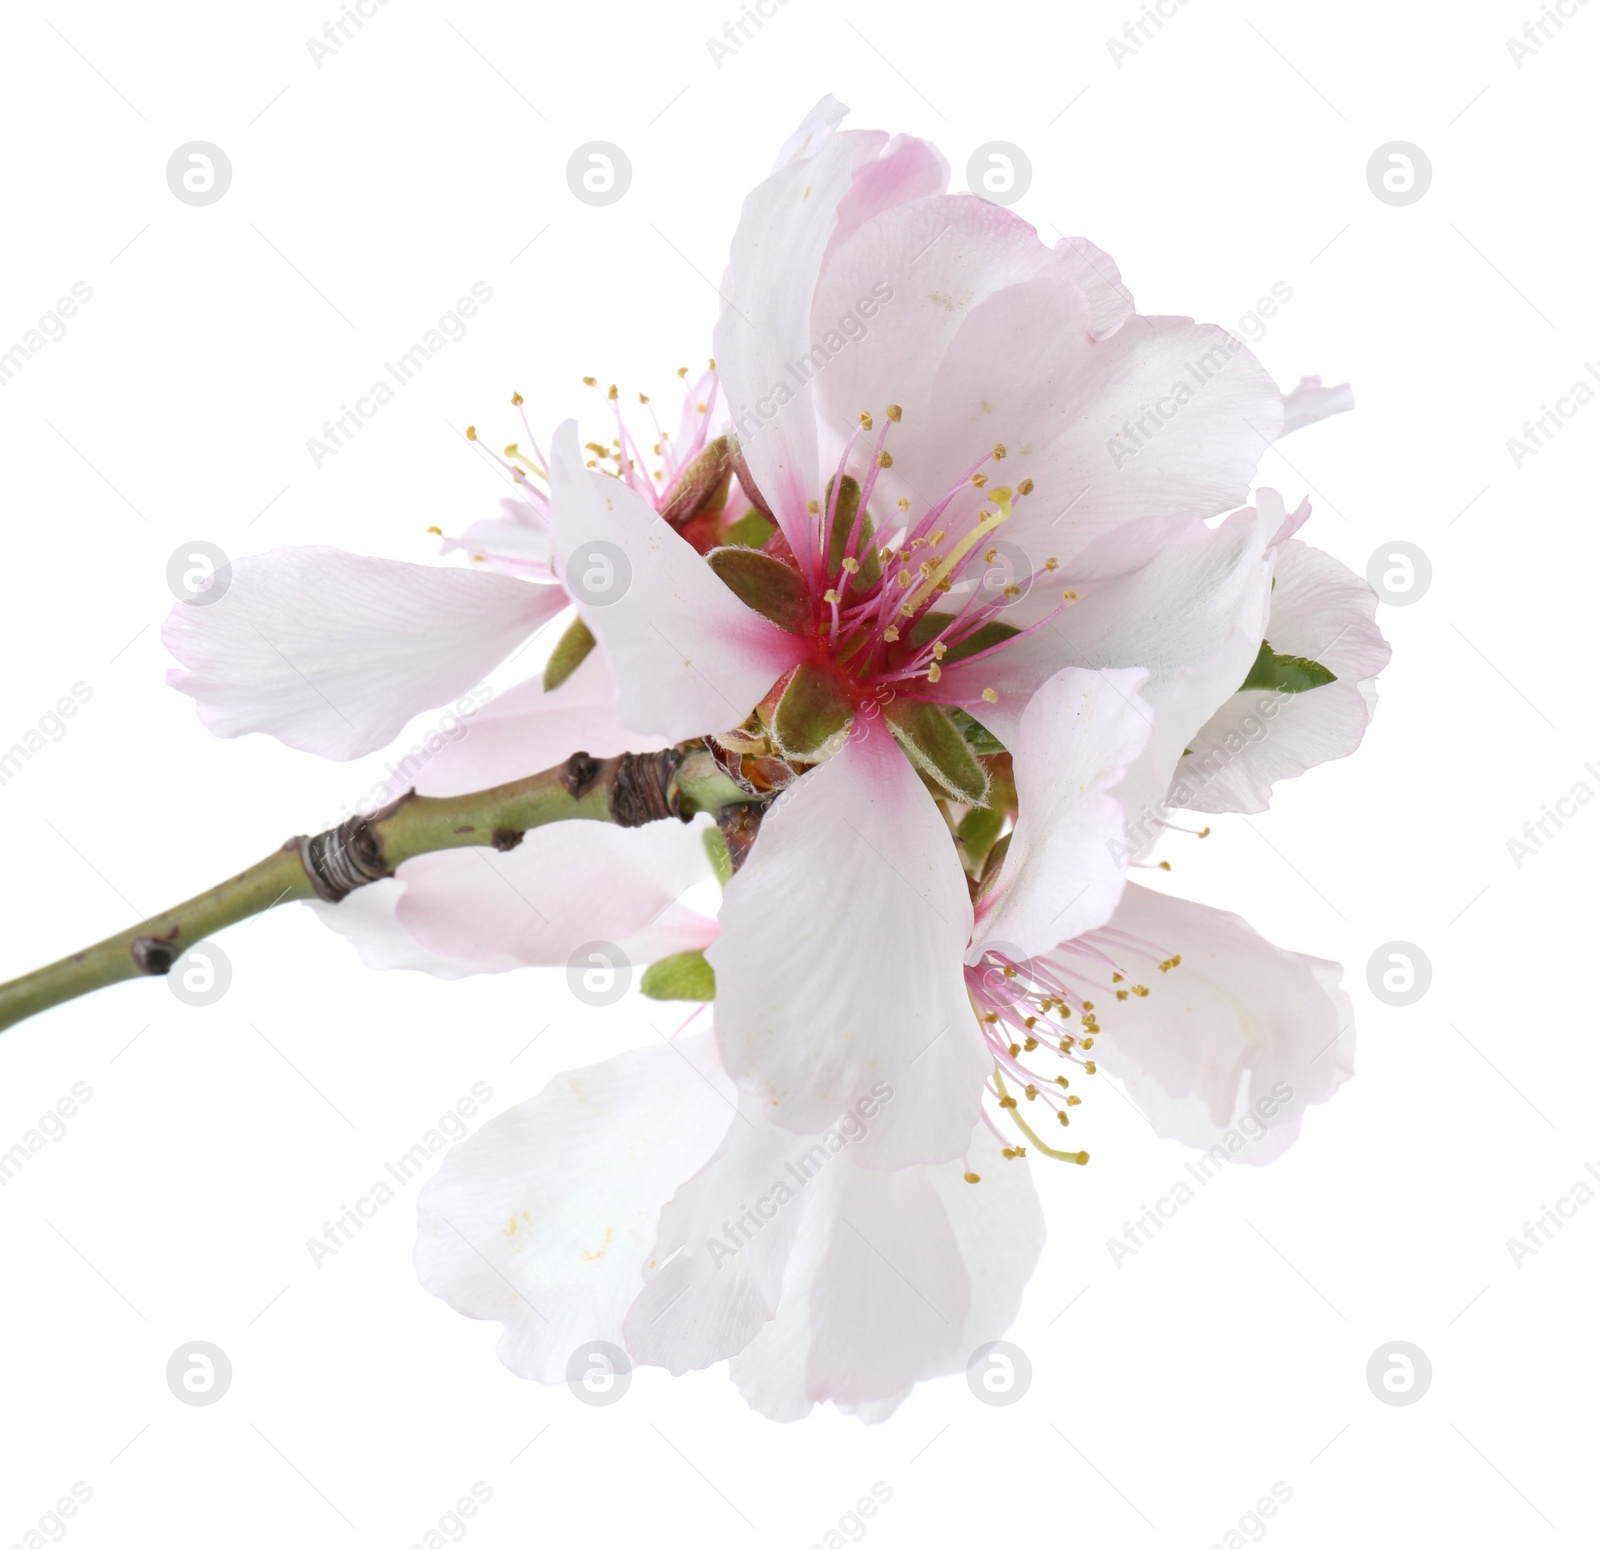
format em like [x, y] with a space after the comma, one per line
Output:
[716, 1271]
[895, 1278]
[688, 656]
[839, 965]
[1062, 874]
[333, 653]
[1321, 611]
[543, 1218]
[1230, 1047]
[784, 229]
[1310, 401]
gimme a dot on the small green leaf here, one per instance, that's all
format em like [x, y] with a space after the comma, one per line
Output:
[979, 738]
[751, 531]
[812, 711]
[986, 636]
[1284, 674]
[568, 655]
[775, 590]
[978, 831]
[933, 742]
[683, 976]
[717, 854]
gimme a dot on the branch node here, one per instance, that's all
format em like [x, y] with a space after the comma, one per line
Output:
[642, 788]
[339, 860]
[154, 955]
[578, 774]
[507, 838]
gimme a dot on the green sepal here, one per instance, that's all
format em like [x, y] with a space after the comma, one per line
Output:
[935, 745]
[979, 738]
[844, 521]
[568, 656]
[717, 854]
[977, 832]
[1280, 674]
[683, 976]
[812, 711]
[984, 638]
[751, 531]
[773, 589]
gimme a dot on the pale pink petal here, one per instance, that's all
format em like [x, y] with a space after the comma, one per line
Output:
[1309, 401]
[839, 965]
[688, 656]
[542, 1220]
[1321, 611]
[1062, 874]
[563, 887]
[333, 653]
[517, 542]
[716, 1271]
[1231, 1047]
[784, 229]
[895, 1278]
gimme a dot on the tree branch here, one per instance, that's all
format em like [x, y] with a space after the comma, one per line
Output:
[630, 790]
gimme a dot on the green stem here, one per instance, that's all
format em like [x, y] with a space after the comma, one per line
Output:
[631, 790]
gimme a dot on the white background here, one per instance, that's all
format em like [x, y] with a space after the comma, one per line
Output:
[369, 194]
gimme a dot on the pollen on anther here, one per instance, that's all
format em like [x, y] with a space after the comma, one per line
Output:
[990, 697]
[1052, 563]
[850, 566]
[891, 634]
[893, 411]
[589, 381]
[438, 532]
[999, 451]
[970, 1177]
[1025, 487]
[885, 460]
[978, 480]
[611, 393]
[472, 432]
[516, 400]
[1164, 865]
[865, 420]
[1069, 596]
[935, 672]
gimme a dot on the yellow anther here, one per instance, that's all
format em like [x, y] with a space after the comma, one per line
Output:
[893, 411]
[999, 451]
[885, 460]
[588, 381]
[935, 672]
[892, 633]
[970, 1177]
[1025, 487]
[438, 532]
[516, 400]
[990, 697]
[472, 432]
[865, 420]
